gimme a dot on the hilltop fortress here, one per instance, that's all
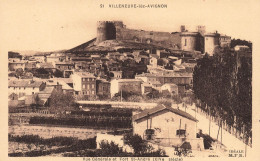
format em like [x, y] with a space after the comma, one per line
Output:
[181, 40]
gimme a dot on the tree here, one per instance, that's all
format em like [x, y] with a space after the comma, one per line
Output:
[183, 150]
[165, 102]
[136, 142]
[14, 55]
[109, 149]
[235, 42]
[19, 72]
[141, 148]
[223, 84]
[60, 102]
[42, 71]
[58, 73]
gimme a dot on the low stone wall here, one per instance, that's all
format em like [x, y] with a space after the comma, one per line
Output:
[120, 104]
[196, 143]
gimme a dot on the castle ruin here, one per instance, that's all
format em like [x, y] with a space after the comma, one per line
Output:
[183, 40]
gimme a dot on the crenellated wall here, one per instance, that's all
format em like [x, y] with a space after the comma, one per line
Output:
[116, 30]
[184, 40]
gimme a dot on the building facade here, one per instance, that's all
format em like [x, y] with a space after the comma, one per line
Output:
[126, 85]
[164, 122]
[84, 83]
[25, 87]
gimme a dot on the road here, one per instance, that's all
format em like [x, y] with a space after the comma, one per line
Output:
[230, 141]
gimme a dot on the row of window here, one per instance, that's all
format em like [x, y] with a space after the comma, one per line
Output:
[88, 86]
[88, 79]
[21, 87]
[66, 67]
[88, 92]
[172, 80]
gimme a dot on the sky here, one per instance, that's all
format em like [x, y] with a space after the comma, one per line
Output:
[51, 25]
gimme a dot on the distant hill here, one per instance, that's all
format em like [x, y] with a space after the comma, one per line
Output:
[111, 45]
[12, 54]
[32, 52]
[26, 52]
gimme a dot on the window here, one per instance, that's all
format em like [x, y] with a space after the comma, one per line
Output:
[84, 86]
[93, 85]
[93, 92]
[180, 132]
[88, 86]
[185, 43]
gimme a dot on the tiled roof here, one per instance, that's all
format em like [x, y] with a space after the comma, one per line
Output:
[46, 65]
[64, 63]
[24, 83]
[85, 74]
[169, 84]
[129, 80]
[159, 108]
[66, 80]
[165, 75]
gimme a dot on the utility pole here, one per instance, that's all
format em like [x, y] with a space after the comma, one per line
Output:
[244, 138]
[196, 116]
[121, 94]
[180, 129]
[218, 128]
[209, 121]
[221, 131]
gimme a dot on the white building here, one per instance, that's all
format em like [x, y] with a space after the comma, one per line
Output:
[84, 83]
[170, 87]
[167, 126]
[126, 85]
[14, 64]
[25, 87]
[55, 57]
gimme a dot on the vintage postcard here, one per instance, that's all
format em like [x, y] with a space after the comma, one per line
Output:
[129, 80]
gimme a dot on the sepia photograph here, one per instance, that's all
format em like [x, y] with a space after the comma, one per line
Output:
[130, 80]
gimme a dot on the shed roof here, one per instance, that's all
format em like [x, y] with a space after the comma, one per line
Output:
[24, 83]
[160, 108]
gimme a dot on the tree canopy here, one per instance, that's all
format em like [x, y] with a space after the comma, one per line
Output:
[223, 84]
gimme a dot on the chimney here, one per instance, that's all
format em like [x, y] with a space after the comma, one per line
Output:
[182, 28]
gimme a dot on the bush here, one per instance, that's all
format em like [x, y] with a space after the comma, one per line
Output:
[55, 141]
[141, 148]
[109, 149]
[165, 102]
